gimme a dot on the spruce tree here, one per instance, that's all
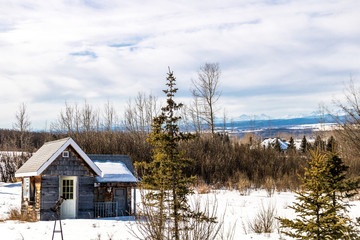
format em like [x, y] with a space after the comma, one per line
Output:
[291, 147]
[277, 146]
[339, 188]
[321, 209]
[331, 144]
[167, 172]
[312, 200]
[319, 143]
[304, 145]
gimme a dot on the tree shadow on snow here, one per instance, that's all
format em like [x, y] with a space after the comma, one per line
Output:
[11, 185]
[123, 218]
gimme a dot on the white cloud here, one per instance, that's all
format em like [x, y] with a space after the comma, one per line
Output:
[295, 51]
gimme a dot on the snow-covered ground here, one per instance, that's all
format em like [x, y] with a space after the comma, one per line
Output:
[238, 210]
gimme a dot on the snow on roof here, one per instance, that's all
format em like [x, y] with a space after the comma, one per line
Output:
[271, 142]
[114, 172]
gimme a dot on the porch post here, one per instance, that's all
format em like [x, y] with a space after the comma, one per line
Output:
[135, 201]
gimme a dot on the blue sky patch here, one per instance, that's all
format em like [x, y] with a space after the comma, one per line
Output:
[121, 45]
[84, 53]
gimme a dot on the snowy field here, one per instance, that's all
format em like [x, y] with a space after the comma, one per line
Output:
[238, 210]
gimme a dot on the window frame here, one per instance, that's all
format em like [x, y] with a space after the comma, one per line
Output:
[65, 154]
[68, 189]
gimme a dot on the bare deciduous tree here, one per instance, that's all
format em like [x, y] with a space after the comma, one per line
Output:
[206, 89]
[138, 115]
[74, 120]
[196, 114]
[109, 116]
[22, 124]
[349, 119]
[347, 116]
[66, 120]
[89, 117]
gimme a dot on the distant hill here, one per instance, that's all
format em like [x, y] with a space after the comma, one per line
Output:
[269, 127]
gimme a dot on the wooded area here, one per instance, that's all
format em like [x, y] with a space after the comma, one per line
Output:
[220, 159]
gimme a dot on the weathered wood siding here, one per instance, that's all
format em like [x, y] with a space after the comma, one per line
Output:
[49, 196]
[128, 201]
[86, 197]
[73, 165]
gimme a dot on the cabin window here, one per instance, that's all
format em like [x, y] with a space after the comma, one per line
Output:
[68, 189]
[65, 154]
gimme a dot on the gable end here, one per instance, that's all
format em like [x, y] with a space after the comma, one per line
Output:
[72, 165]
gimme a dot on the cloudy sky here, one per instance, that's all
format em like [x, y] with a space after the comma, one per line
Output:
[278, 57]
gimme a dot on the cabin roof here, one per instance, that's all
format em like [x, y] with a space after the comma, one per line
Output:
[43, 157]
[114, 172]
[115, 168]
[114, 158]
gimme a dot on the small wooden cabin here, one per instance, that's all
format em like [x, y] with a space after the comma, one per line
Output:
[93, 185]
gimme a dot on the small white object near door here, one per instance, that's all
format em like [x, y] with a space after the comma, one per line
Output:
[68, 189]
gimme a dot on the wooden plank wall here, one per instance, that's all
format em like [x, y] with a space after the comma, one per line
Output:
[49, 196]
[47, 187]
[74, 165]
[86, 197]
[128, 201]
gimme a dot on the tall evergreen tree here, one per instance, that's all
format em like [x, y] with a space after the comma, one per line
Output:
[167, 172]
[338, 189]
[312, 199]
[277, 146]
[321, 210]
[319, 143]
[304, 144]
[331, 144]
[291, 146]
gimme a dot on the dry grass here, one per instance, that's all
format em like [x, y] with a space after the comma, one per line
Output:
[356, 197]
[269, 186]
[286, 183]
[203, 188]
[243, 185]
[265, 220]
[15, 214]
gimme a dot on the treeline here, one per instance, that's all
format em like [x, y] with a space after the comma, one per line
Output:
[217, 158]
[227, 161]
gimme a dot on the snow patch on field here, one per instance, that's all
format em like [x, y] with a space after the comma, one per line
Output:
[236, 209]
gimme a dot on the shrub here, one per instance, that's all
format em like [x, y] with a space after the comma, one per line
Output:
[244, 185]
[265, 220]
[269, 186]
[203, 188]
[16, 214]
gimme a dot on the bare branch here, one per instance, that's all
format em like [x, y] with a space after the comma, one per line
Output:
[206, 90]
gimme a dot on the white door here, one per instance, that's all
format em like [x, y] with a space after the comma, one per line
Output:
[68, 191]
